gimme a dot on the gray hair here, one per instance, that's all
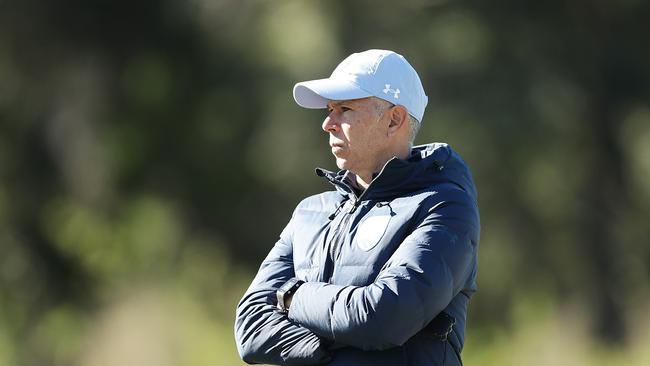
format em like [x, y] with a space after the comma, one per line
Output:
[414, 128]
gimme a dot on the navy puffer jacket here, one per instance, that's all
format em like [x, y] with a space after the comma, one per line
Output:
[378, 268]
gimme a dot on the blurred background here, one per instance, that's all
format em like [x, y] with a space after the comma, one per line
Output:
[151, 152]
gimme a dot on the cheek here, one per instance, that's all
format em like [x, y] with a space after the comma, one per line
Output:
[362, 137]
[357, 137]
[349, 132]
[374, 136]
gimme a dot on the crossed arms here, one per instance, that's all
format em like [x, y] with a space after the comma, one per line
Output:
[422, 276]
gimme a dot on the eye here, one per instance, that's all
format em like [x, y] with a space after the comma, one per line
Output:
[345, 109]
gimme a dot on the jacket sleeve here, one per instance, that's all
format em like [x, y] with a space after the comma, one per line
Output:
[420, 279]
[264, 335]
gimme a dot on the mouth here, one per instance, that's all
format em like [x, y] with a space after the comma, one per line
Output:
[334, 144]
[336, 148]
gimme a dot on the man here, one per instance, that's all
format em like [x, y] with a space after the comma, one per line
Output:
[379, 271]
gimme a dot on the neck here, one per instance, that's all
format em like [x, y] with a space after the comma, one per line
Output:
[365, 177]
[364, 181]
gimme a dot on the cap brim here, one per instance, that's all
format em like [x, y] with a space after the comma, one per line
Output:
[317, 93]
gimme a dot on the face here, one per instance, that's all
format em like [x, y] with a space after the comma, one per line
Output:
[357, 133]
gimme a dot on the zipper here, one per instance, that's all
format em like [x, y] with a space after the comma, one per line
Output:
[338, 236]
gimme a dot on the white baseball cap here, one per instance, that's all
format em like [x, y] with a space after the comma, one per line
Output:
[373, 73]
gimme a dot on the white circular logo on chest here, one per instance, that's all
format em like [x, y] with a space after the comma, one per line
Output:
[371, 230]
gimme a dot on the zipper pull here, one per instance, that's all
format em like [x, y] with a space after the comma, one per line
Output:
[336, 212]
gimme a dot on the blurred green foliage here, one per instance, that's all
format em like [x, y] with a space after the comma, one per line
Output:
[150, 153]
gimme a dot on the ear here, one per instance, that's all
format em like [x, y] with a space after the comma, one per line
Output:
[398, 119]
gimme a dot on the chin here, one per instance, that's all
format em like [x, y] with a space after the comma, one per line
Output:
[342, 164]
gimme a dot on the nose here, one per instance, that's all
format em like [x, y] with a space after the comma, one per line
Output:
[329, 124]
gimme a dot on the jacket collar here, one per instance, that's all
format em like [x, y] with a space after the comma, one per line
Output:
[427, 165]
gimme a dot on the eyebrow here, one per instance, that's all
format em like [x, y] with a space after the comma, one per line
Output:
[338, 103]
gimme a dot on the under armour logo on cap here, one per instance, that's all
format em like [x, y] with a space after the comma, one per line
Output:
[387, 90]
